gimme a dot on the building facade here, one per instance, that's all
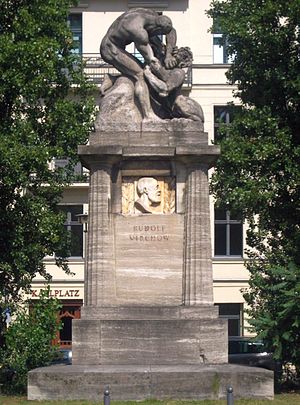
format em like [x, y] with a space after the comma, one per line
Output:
[206, 83]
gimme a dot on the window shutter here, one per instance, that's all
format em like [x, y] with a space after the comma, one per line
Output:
[157, 4]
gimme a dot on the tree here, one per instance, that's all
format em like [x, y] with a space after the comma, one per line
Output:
[258, 172]
[45, 112]
[28, 342]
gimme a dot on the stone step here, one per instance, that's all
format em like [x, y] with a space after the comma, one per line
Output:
[150, 312]
[136, 341]
[188, 382]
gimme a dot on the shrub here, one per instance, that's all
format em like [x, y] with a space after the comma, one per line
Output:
[28, 342]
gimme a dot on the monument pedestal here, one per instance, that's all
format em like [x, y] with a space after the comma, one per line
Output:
[149, 273]
[149, 328]
[136, 382]
[150, 335]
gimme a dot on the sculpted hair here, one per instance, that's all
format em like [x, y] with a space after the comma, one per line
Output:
[184, 56]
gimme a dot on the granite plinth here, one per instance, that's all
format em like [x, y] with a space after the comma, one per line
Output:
[174, 126]
[148, 381]
[149, 335]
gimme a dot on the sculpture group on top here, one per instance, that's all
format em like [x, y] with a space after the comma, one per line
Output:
[156, 82]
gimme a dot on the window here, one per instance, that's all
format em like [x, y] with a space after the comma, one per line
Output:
[223, 115]
[220, 50]
[67, 313]
[61, 163]
[138, 55]
[228, 234]
[81, 174]
[74, 227]
[220, 46]
[69, 310]
[75, 24]
[234, 314]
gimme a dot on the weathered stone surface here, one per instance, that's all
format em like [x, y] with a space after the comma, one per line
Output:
[99, 287]
[119, 107]
[157, 335]
[197, 278]
[152, 195]
[150, 151]
[92, 155]
[148, 259]
[169, 266]
[150, 341]
[152, 86]
[148, 313]
[137, 26]
[178, 131]
[149, 381]
[188, 108]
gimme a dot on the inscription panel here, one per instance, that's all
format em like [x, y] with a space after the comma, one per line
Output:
[149, 257]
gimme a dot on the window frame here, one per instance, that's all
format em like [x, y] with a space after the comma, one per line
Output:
[239, 317]
[219, 42]
[76, 31]
[228, 222]
[230, 111]
[69, 223]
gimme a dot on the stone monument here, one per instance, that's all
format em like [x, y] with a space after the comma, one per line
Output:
[149, 328]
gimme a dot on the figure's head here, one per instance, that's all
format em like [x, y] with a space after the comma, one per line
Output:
[184, 57]
[149, 186]
[164, 24]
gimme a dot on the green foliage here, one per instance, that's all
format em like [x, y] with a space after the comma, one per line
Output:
[258, 172]
[28, 341]
[45, 112]
[274, 295]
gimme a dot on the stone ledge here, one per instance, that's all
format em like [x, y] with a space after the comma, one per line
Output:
[147, 381]
[101, 150]
[141, 151]
[150, 312]
[135, 138]
[109, 154]
[150, 341]
[212, 150]
[113, 123]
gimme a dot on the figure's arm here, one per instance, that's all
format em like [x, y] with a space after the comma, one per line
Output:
[147, 52]
[143, 46]
[159, 71]
[171, 39]
[158, 85]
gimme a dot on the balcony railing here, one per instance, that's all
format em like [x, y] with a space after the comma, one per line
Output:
[96, 68]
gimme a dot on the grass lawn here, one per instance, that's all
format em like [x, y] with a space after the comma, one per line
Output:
[283, 399]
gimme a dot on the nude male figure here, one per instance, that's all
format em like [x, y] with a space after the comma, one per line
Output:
[138, 26]
[167, 84]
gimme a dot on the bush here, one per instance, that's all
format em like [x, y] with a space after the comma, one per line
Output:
[28, 342]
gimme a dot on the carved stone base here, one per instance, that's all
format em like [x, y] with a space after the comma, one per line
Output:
[149, 381]
[157, 335]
